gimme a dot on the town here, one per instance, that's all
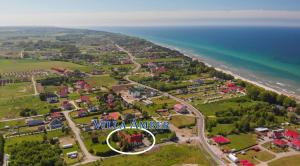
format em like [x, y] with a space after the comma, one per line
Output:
[56, 90]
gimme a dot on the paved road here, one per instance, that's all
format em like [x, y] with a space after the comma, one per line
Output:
[199, 116]
[88, 157]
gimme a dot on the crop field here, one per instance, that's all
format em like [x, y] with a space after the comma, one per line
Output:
[290, 161]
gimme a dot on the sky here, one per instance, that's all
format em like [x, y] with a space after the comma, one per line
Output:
[149, 12]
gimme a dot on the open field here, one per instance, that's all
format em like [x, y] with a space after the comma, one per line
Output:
[241, 141]
[16, 90]
[35, 137]
[251, 155]
[158, 103]
[274, 148]
[169, 155]
[182, 121]
[290, 161]
[28, 65]
[10, 108]
[103, 80]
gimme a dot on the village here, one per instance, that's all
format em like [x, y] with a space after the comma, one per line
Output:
[59, 101]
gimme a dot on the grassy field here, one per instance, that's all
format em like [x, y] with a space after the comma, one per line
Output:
[103, 80]
[290, 161]
[169, 155]
[16, 90]
[212, 108]
[251, 154]
[28, 65]
[36, 137]
[182, 121]
[10, 108]
[241, 141]
[158, 103]
[222, 128]
[96, 147]
[12, 123]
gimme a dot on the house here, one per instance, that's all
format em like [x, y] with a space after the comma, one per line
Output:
[84, 99]
[280, 143]
[296, 144]
[135, 92]
[114, 115]
[180, 108]
[55, 123]
[63, 92]
[147, 102]
[221, 140]
[36, 122]
[51, 98]
[82, 113]
[136, 138]
[246, 163]
[261, 131]
[158, 70]
[56, 115]
[67, 105]
[290, 134]
[72, 155]
[278, 134]
[233, 158]
[92, 109]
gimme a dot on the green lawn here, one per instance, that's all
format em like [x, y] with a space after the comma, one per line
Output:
[169, 155]
[222, 128]
[158, 103]
[96, 147]
[182, 121]
[240, 141]
[16, 90]
[28, 65]
[290, 161]
[211, 108]
[35, 137]
[103, 80]
[10, 108]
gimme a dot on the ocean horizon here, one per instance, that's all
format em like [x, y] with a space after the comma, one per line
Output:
[267, 55]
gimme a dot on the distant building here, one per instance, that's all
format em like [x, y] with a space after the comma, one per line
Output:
[51, 98]
[291, 135]
[296, 144]
[221, 140]
[280, 143]
[136, 138]
[63, 92]
[180, 108]
[55, 123]
[31, 123]
[82, 113]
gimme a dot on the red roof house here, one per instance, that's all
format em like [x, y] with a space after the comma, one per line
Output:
[114, 115]
[132, 138]
[85, 99]
[221, 140]
[63, 92]
[290, 134]
[246, 163]
[296, 144]
[55, 115]
[279, 142]
[180, 108]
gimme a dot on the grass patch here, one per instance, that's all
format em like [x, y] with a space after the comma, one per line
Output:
[103, 80]
[241, 141]
[29, 65]
[290, 161]
[182, 121]
[165, 156]
[16, 90]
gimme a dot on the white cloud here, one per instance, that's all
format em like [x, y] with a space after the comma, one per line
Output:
[145, 18]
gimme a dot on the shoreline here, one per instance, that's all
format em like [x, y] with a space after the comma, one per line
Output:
[236, 76]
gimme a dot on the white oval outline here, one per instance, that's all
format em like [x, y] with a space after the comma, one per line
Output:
[130, 153]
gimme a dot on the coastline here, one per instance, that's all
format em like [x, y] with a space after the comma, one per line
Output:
[236, 76]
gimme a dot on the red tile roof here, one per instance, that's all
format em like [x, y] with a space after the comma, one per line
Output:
[114, 115]
[84, 98]
[296, 142]
[279, 142]
[246, 163]
[291, 134]
[221, 140]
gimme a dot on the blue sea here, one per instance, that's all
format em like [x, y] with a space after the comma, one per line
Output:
[267, 55]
